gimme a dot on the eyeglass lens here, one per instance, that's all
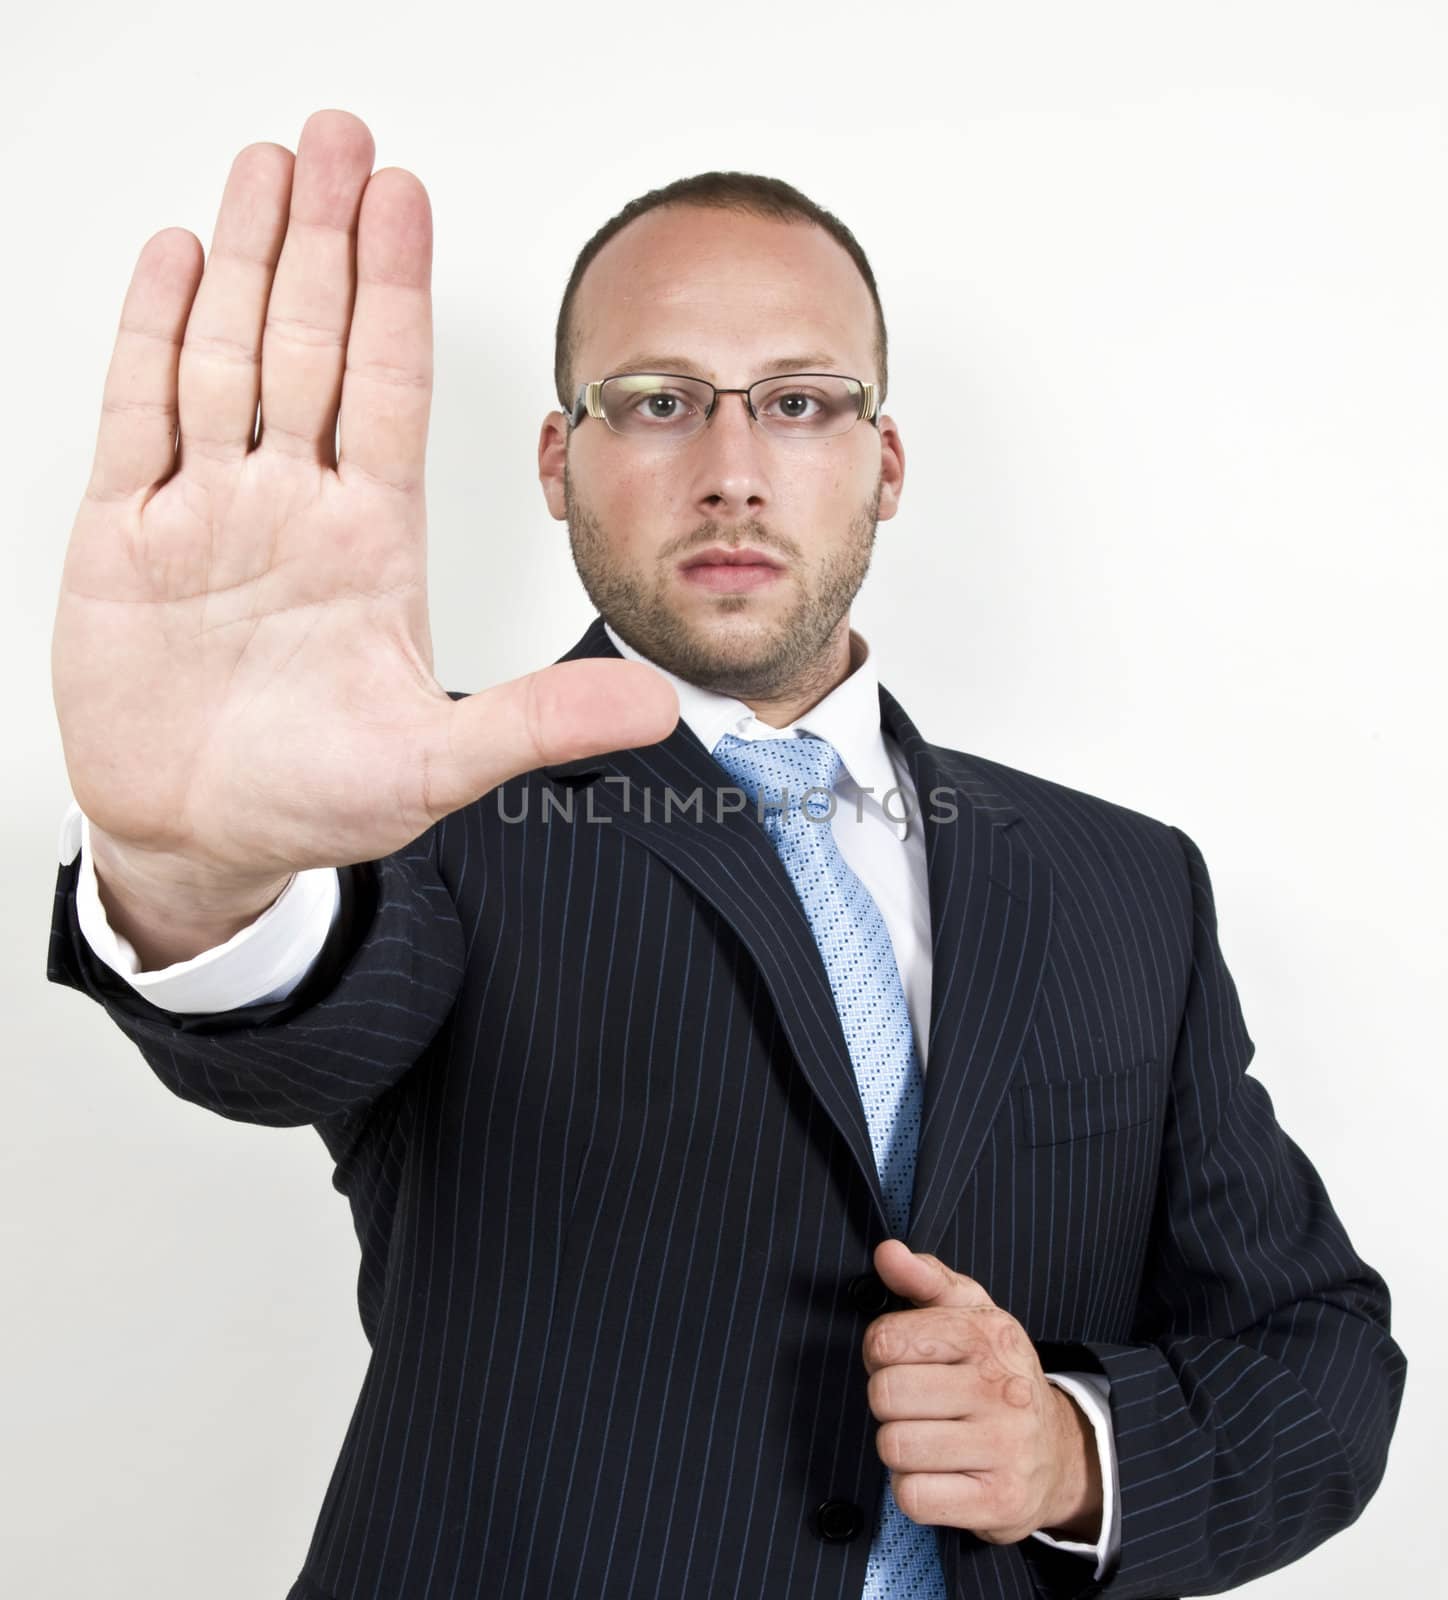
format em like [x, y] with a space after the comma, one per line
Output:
[794, 405]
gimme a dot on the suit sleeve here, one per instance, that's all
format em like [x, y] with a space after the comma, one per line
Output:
[265, 960]
[373, 1000]
[1253, 1409]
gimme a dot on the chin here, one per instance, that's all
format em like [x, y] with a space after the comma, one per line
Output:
[734, 632]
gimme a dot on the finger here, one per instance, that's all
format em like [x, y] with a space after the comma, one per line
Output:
[936, 1334]
[560, 713]
[136, 441]
[387, 385]
[305, 335]
[925, 1279]
[926, 1446]
[220, 375]
[944, 1499]
[943, 1391]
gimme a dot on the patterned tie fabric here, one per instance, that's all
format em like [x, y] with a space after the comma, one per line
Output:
[860, 961]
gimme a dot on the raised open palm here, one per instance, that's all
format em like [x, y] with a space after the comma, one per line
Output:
[241, 658]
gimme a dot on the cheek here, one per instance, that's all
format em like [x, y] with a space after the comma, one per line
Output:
[640, 513]
[846, 474]
[627, 499]
[833, 491]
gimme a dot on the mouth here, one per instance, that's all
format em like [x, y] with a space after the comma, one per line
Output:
[726, 570]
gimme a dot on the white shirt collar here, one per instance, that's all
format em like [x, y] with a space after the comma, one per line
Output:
[848, 716]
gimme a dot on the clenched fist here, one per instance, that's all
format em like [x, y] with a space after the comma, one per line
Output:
[975, 1435]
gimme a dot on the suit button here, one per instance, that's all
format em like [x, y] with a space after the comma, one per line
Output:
[868, 1294]
[838, 1520]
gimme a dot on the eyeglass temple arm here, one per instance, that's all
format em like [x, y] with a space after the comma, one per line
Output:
[587, 404]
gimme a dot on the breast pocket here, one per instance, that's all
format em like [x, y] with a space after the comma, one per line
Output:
[1051, 1113]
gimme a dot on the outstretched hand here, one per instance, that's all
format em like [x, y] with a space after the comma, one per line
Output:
[241, 658]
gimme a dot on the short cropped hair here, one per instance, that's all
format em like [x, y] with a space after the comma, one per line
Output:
[723, 191]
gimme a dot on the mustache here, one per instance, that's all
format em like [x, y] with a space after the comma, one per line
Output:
[733, 535]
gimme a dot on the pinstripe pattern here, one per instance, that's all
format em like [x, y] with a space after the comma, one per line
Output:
[588, 1097]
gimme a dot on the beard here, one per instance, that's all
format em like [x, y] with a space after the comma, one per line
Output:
[785, 656]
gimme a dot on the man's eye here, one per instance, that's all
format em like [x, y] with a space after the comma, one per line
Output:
[662, 406]
[793, 405]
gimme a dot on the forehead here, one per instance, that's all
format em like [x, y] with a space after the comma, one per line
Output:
[730, 290]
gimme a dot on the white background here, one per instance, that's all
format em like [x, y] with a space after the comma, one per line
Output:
[1165, 291]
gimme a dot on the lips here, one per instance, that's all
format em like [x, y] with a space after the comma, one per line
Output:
[722, 556]
[726, 570]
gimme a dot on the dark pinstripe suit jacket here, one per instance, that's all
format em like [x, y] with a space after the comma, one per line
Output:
[589, 1100]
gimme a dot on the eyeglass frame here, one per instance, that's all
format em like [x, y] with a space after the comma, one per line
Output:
[589, 402]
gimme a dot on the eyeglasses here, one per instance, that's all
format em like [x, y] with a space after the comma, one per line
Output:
[670, 407]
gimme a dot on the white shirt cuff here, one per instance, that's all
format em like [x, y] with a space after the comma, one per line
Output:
[264, 961]
[1090, 1390]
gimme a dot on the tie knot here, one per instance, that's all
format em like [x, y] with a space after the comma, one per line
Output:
[766, 768]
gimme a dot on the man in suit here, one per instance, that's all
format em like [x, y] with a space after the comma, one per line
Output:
[789, 1157]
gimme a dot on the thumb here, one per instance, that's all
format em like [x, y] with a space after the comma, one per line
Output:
[559, 713]
[926, 1279]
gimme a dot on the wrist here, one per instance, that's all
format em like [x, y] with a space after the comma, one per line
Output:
[206, 889]
[170, 908]
[1074, 1512]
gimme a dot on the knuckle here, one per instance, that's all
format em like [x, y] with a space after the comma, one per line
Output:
[226, 451]
[134, 330]
[129, 406]
[216, 347]
[1018, 1392]
[280, 439]
[389, 374]
[311, 335]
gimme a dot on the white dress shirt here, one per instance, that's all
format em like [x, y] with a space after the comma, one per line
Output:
[876, 823]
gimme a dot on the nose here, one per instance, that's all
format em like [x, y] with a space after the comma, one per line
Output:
[730, 462]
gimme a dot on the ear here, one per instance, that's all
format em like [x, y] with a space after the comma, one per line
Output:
[892, 468]
[552, 457]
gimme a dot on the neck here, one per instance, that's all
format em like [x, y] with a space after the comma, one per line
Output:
[834, 664]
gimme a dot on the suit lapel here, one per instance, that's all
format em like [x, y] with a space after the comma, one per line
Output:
[990, 905]
[726, 857]
[990, 918]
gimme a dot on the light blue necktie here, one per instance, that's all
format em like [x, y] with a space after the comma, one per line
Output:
[865, 979]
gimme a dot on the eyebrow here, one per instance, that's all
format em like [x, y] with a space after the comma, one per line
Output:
[692, 368]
